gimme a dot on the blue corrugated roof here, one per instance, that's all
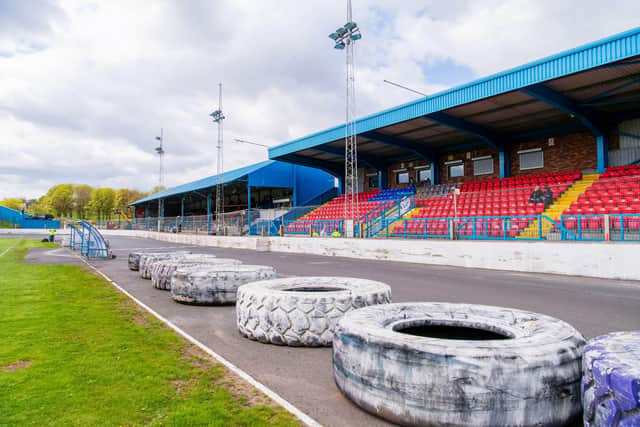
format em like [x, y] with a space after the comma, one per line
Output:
[612, 49]
[207, 182]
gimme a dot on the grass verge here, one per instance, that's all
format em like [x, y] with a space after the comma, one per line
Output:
[77, 352]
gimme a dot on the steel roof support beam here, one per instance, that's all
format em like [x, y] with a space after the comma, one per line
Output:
[492, 139]
[335, 170]
[421, 151]
[549, 96]
[368, 160]
[591, 119]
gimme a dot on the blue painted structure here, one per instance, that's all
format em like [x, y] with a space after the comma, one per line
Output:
[306, 182]
[21, 220]
[531, 79]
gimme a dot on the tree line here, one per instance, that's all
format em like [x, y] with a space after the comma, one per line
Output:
[80, 201]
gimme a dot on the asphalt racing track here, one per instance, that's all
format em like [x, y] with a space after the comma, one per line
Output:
[303, 376]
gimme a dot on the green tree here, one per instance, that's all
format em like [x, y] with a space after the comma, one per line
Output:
[157, 189]
[12, 203]
[61, 199]
[103, 202]
[82, 197]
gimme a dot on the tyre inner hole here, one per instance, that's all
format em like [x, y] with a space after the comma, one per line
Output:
[450, 332]
[314, 289]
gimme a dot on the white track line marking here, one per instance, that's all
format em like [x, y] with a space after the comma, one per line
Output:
[7, 250]
[233, 368]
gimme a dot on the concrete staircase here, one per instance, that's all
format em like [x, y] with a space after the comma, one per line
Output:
[559, 205]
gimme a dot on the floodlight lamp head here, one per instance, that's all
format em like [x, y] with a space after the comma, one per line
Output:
[356, 36]
[341, 31]
[159, 150]
[158, 138]
[334, 36]
[339, 46]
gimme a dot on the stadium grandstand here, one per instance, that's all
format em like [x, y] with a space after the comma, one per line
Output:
[255, 196]
[547, 150]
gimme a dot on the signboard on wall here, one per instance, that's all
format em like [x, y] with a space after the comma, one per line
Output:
[405, 206]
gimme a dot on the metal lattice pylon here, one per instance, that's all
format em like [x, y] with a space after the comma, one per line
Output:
[345, 38]
[218, 118]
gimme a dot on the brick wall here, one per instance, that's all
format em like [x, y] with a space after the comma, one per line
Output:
[467, 160]
[568, 153]
[410, 166]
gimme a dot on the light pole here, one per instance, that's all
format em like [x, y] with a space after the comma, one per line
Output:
[160, 152]
[344, 38]
[218, 118]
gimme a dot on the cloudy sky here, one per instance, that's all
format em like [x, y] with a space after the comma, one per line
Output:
[86, 86]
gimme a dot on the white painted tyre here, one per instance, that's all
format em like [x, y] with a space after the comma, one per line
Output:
[215, 284]
[611, 380]
[496, 367]
[302, 311]
[134, 258]
[147, 260]
[162, 270]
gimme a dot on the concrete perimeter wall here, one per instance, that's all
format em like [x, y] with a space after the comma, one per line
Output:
[604, 260]
[591, 259]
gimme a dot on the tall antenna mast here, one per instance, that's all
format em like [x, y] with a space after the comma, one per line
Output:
[160, 152]
[344, 38]
[218, 117]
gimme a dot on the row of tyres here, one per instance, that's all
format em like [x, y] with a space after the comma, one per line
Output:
[421, 363]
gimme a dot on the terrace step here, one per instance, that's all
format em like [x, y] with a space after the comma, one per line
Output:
[559, 205]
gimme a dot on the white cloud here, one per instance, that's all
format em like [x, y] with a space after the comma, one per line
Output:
[85, 87]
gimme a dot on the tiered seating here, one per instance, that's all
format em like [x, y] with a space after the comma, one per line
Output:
[392, 194]
[435, 190]
[616, 192]
[487, 198]
[331, 214]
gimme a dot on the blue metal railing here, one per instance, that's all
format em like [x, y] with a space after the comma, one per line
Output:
[320, 226]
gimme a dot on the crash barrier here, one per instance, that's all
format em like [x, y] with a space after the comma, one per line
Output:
[302, 311]
[611, 380]
[459, 364]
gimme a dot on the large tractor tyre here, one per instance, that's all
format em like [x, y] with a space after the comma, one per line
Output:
[459, 365]
[215, 284]
[134, 258]
[147, 260]
[611, 380]
[302, 311]
[163, 270]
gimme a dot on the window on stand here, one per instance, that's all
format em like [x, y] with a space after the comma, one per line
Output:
[455, 169]
[483, 165]
[402, 177]
[531, 159]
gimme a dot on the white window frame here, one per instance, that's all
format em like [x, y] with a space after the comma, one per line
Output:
[451, 163]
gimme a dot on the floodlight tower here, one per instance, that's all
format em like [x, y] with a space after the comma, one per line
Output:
[344, 38]
[160, 152]
[218, 118]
